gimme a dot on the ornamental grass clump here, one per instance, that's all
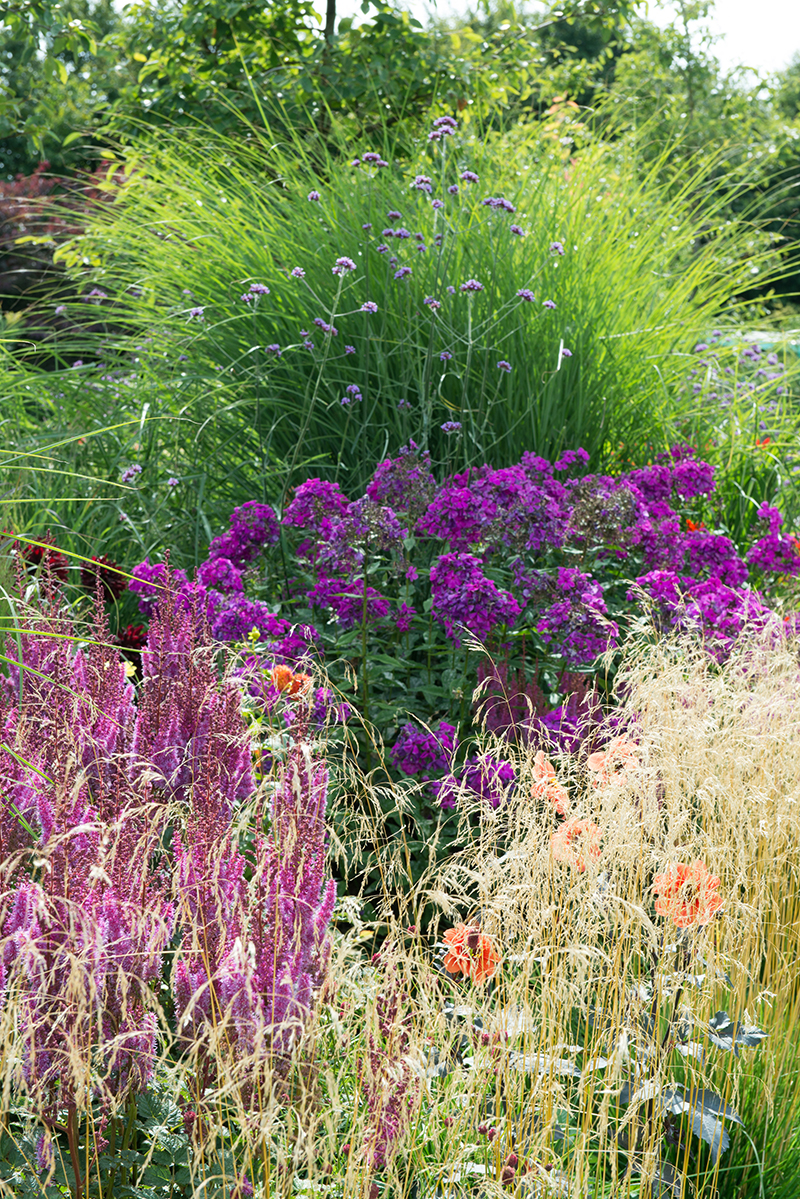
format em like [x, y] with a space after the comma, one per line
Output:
[311, 306]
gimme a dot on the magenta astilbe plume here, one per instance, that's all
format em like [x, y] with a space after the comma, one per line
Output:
[83, 941]
[265, 956]
[189, 728]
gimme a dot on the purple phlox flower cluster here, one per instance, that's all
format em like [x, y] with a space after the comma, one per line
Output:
[577, 621]
[403, 617]
[463, 597]
[570, 457]
[342, 266]
[497, 507]
[483, 778]
[315, 505]
[405, 483]
[365, 529]
[253, 526]
[471, 285]
[422, 752]
[498, 203]
[220, 574]
[771, 515]
[776, 554]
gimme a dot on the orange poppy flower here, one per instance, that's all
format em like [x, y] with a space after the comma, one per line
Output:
[470, 952]
[694, 525]
[545, 785]
[576, 842]
[616, 762]
[687, 895]
[284, 679]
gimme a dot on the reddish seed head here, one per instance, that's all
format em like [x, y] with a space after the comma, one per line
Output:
[512, 1160]
[492, 1133]
[507, 1174]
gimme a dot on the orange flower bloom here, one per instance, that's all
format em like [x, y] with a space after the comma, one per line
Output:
[694, 525]
[687, 894]
[471, 952]
[545, 785]
[284, 679]
[576, 842]
[619, 754]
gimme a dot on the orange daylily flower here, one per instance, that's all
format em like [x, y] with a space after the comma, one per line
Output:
[693, 526]
[471, 952]
[545, 785]
[284, 679]
[687, 895]
[576, 843]
[615, 762]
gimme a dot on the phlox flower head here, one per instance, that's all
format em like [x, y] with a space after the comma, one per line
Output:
[419, 752]
[577, 843]
[470, 952]
[687, 895]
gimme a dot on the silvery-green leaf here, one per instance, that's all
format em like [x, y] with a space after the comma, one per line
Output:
[707, 1113]
[727, 1034]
